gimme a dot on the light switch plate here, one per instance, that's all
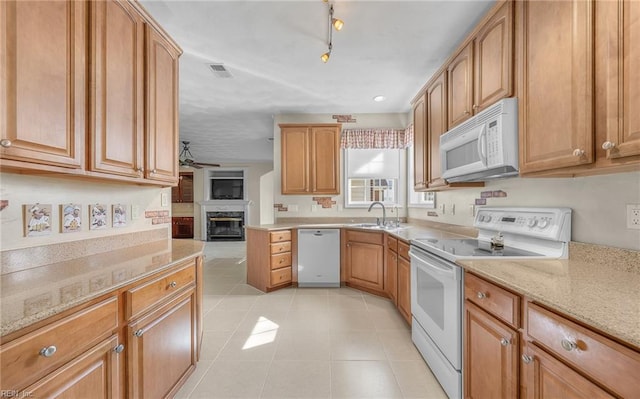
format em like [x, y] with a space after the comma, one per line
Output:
[164, 199]
[135, 212]
[633, 216]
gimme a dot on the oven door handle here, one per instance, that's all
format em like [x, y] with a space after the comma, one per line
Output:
[445, 271]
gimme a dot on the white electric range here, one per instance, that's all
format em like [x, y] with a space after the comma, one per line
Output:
[437, 286]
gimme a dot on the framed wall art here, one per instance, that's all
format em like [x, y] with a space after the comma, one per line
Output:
[119, 216]
[97, 217]
[71, 218]
[37, 220]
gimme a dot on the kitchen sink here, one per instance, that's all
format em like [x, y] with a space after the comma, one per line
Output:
[374, 226]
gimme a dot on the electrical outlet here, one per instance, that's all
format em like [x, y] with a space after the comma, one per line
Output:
[472, 210]
[164, 199]
[633, 216]
[453, 209]
[135, 212]
[441, 207]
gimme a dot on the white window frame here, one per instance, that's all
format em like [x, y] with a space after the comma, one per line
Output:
[417, 199]
[399, 182]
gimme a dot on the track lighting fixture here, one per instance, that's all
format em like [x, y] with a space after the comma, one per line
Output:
[334, 23]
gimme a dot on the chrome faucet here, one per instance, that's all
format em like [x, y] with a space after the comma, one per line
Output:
[384, 212]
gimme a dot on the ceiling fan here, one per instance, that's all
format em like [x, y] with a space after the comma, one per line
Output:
[186, 158]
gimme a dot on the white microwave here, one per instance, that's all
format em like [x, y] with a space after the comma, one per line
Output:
[483, 147]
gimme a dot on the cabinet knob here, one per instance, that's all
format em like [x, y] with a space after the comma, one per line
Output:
[139, 170]
[173, 284]
[154, 171]
[138, 333]
[475, 107]
[568, 345]
[467, 112]
[504, 342]
[527, 359]
[578, 152]
[6, 143]
[608, 145]
[48, 351]
[118, 349]
[481, 295]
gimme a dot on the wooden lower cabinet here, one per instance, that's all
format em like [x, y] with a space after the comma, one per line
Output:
[547, 377]
[404, 288]
[364, 261]
[162, 348]
[490, 356]
[391, 276]
[270, 259]
[94, 374]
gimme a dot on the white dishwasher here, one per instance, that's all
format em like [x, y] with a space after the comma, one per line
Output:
[319, 257]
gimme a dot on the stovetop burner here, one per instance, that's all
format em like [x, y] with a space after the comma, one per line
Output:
[473, 247]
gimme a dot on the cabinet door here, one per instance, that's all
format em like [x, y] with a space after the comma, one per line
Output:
[490, 356]
[162, 108]
[162, 349]
[420, 148]
[295, 160]
[365, 265]
[621, 67]
[493, 57]
[391, 276]
[556, 76]
[546, 377]
[117, 96]
[460, 80]
[325, 160]
[94, 374]
[436, 126]
[404, 288]
[43, 81]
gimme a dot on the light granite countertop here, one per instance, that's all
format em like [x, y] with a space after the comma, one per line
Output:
[31, 295]
[599, 294]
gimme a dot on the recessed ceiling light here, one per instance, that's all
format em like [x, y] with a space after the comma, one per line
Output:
[379, 98]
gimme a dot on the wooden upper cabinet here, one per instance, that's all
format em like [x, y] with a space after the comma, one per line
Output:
[493, 57]
[324, 153]
[295, 160]
[436, 122]
[618, 81]
[43, 82]
[117, 90]
[162, 108]
[310, 159]
[556, 78]
[460, 79]
[420, 147]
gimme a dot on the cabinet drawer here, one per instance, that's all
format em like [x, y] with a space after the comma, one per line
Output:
[21, 360]
[281, 276]
[147, 295]
[281, 247]
[495, 300]
[279, 236]
[363, 236]
[280, 260]
[403, 249]
[392, 243]
[607, 362]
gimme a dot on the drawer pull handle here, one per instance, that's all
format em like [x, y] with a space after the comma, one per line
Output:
[138, 333]
[173, 284]
[118, 349]
[5, 143]
[568, 345]
[281, 260]
[481, 295]
[504, 342]
[48, 351]
[527, 359]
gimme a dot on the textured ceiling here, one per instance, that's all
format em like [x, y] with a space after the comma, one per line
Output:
[272, 49]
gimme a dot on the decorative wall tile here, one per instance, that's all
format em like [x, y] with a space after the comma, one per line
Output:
[280, 207]
[499, 194]
[486, 194]
[326, 202]
[432, 213]
[151, 214]
[481, 201]
[3, 204]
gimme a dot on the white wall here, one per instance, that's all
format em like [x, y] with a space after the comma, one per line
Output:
[598, 203]
[25, 189]
[304, 202]
[267, 213]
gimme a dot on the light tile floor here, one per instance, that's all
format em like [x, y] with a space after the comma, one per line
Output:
[300, 343]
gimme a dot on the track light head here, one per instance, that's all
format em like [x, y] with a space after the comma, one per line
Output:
[325, 57]
[337, 23]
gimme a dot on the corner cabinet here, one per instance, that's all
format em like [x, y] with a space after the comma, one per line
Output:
[310, 159]
[364, 261]
[102, 77]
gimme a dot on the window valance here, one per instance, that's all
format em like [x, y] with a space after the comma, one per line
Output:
[376, 138]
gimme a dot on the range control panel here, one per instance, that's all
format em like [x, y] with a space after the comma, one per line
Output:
[546, 223]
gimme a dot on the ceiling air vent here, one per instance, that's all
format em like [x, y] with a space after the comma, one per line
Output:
[220, 71]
